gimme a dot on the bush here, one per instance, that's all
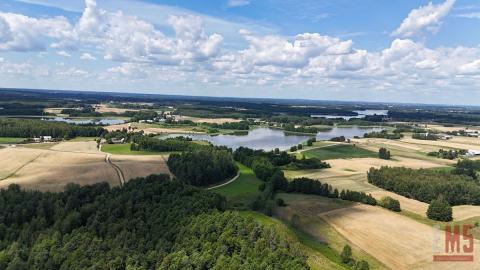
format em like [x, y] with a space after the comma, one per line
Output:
[440, 210]
[346, 254]
[390, 203]
[293, 148]
[280, 202]
[338, 139]
[383, 153]
[362, 265]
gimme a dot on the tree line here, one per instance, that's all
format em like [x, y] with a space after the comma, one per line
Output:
[426, 184]
[150, 223]
[29, 128]
[147, 143]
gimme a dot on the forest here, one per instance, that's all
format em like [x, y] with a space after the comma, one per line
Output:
[149, 223]
[203, 167]
[427, 184]
[146, 143]
[29, 128]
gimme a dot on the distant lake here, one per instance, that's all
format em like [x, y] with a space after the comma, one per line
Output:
[104, 121]
[269, 139]
[361, 114]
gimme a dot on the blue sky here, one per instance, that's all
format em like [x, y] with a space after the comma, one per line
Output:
[395, 50]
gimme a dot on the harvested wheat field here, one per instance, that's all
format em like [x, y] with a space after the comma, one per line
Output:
[54, 169]
[54, 110]
[150, 129]
[14, 158]
[139, 166]
[364, 164]
[103, 108]
[385, 235]
[210, 120]
[456, 143]
[79, 147]
[460, 212]
[70, 162]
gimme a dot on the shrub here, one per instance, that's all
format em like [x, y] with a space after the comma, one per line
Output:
[280, 202]
[390, 204]
[346, 254]
[383, 153]
[440, 210]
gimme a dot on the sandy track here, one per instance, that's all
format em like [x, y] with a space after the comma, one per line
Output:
[395, 240]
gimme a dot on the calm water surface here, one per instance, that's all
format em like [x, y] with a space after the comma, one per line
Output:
[104, 121]
[269, 139]
[361, 114]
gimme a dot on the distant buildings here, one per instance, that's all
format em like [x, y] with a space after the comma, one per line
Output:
[43, 139]
[472, 153]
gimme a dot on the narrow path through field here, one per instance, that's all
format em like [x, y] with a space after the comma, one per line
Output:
[21, 167]
[121, 177]
[226, 183]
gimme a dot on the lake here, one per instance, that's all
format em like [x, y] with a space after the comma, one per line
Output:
[361, 114]
[103, 121]
[269, 139]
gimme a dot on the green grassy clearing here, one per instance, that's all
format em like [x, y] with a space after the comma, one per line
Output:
[124, 149]
[7, 140]
[339, 151]
[243, 190]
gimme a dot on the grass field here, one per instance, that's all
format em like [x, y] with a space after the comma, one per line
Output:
[124, 149]
[243, 190]
[339, 151]
[8, 140]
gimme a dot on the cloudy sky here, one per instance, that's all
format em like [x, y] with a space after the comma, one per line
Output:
[390, 50]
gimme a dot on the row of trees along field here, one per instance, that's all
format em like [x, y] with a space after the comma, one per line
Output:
[267, 167]
[384, 134]
[204, 166]
[426, 184]
[150, 223]
[448, 154]
[28, 128]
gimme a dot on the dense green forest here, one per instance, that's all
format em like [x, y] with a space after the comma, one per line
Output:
[28, 128]
[384, 134]
[242, 125]
[426, 184]
[205, 166]
[150, 223]
[146, 143]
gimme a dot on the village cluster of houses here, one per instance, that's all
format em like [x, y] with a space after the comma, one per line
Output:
[43, 139]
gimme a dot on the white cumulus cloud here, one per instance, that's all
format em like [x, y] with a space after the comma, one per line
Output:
[424, 19]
